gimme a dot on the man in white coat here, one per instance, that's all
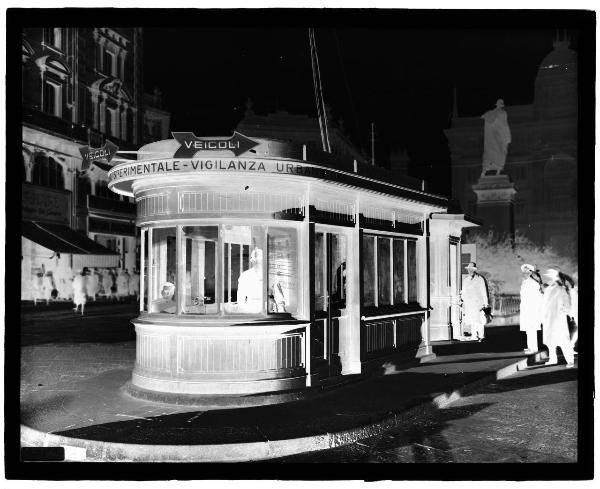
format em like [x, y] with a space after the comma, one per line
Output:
[531, 306]
[555, 308]
[474, 298]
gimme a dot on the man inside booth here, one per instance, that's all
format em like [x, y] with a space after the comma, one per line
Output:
[167, 301]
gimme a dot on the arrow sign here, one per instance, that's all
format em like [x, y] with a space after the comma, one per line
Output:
[90, 154]
[190, 144]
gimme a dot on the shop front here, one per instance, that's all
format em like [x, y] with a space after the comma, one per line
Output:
[51, 251]
[272, 269]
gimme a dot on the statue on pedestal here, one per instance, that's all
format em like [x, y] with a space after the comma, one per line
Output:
[496, 138]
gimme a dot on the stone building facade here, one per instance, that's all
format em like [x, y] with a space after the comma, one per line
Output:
[81, 87]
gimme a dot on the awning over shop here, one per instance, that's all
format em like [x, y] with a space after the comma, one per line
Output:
[62, 239]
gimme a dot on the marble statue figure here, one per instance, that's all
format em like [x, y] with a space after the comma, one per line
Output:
[496, 138]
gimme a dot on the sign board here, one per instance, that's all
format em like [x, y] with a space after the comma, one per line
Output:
[126, 171]
[46, 204]
[105, 153]
[191, 144]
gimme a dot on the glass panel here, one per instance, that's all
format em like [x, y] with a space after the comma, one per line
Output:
[338, 271]
[234, 275]
[144, 306]
[243, 288]
[453, 270]
[399, 271]
[283, 270]
[383, 271]
[411, 257]
[164, 268]
[199, 255]
[320, 277]
[368, 270]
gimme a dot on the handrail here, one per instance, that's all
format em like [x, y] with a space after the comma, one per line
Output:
[396, 314]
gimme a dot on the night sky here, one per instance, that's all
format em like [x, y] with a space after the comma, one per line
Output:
[399, 78]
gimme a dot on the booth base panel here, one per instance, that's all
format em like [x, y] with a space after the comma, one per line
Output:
[220, 387]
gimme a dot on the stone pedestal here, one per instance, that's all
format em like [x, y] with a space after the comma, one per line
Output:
[495, 205]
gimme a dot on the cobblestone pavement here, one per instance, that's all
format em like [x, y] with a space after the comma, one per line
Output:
[528, 417]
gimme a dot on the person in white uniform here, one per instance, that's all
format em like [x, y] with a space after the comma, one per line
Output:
[531, 306]
[92, 283]
[250, 285]
[134, 284]
[79, 297]
[555, 308]
[122, 284]
[474, 298]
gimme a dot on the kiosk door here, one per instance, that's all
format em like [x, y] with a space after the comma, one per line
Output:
[329, 301]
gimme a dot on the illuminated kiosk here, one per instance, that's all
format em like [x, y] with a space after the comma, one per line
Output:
[274, 270]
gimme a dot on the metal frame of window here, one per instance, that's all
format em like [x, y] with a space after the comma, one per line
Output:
[221, 268]
[391, 238]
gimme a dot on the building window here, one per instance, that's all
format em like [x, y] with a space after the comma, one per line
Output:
[84, 188]
[109, 63]
[111, 122]
[389, 271]
[47, 172]
[54, 37]
[52, 98]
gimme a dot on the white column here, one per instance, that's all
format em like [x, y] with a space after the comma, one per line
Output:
[142, 267]
[439, 248]
[350, 334]
[425, 349]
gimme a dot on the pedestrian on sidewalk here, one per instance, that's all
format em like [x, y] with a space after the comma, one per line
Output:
[134, 285]
[556, 305]
[574, 295]
[79, 298]
[474, 298]
[122, 284]
[37, 287]
[92, 284]
[531, 306]
[47, 285]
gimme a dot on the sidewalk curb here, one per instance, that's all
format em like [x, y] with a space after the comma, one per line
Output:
[78, 449]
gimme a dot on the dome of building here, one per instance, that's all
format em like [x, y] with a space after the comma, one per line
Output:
[561, 60]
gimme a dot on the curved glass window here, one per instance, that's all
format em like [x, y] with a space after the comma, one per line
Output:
[243, 258]
[221, 269]
[199, 252]
[164, 271]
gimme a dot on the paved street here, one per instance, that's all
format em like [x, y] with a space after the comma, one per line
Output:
[528, 417]
[103, 322]
[60, 346]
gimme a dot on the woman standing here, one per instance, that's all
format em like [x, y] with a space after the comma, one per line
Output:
[556, 305]
[531, 306]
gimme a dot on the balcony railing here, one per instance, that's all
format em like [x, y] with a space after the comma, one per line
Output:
[505, 305]
[76, 132]
[55, 124]
[109, 205]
